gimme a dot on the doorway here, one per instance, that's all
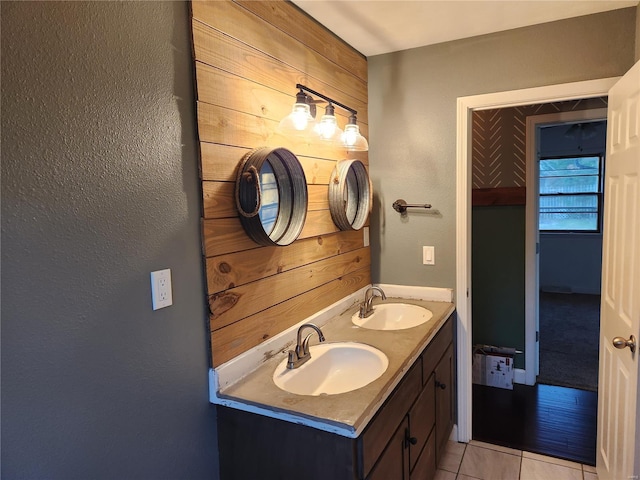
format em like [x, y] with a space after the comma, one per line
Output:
[556, 276]
[571, 163]
[617, 404]
[466, 106]
[531, 418]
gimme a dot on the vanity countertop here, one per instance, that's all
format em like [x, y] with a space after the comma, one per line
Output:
[347, 413]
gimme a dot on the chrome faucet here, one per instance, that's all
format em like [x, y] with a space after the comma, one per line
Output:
[366, 307]
[301, 353]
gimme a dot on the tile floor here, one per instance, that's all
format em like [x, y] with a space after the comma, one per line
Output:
[478, 460]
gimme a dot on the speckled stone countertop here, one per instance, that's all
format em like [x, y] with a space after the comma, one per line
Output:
[351, 411]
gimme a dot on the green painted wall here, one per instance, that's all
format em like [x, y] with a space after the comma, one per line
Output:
[498, 280]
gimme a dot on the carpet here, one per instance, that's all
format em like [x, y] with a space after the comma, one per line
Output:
[569, 339]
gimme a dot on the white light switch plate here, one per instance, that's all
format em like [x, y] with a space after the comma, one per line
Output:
[428, 255]
[161, 295]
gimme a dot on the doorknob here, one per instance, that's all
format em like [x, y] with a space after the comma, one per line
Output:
[620, 342]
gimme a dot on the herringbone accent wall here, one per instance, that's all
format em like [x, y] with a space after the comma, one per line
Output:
[499, 136]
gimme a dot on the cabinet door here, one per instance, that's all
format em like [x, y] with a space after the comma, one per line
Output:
[393, 463]
[425, 468]
[376, 436]
[444, 375]
[421, 420]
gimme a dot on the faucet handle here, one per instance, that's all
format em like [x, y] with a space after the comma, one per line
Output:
[301, 353]
[291, 360]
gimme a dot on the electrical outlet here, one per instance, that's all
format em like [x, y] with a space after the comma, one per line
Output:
[161, 295]
[428, 255]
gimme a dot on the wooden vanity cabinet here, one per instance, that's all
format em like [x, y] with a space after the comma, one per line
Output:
[411, 439]
[384, 445]
[419, 440]
[403, 441]
[393, 462]
[444, 386]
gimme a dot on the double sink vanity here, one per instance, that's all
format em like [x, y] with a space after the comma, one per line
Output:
[364, 392]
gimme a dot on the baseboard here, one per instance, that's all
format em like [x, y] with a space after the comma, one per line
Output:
[519, 375]
[454, 433]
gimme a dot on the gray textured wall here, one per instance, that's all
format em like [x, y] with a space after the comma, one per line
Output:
[412, 123]
[100, 187]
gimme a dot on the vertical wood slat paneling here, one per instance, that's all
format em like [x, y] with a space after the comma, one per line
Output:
[219, 199]
[220, 162]
[222, 52]
[250, 29]
[248, 58]
[223, 89]
[220, 202]
[232, 340]
[230, 127]
[225, 235]
[234, 269]
[308, 31]
[237, 303]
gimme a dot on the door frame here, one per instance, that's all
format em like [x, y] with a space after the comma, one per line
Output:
[465, 108]
[532, 234]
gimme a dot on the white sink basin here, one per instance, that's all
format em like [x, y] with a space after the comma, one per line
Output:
[394, 316]
[333, 368]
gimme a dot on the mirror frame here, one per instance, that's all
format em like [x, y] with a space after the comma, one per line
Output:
[292, 194]
[340, 189]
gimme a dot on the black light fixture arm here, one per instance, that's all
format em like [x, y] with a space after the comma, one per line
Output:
[327, 99]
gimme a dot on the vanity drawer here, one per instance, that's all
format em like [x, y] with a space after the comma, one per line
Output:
[385, 423]
[438, 346]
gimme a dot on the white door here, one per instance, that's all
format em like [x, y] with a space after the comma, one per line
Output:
[617, 453]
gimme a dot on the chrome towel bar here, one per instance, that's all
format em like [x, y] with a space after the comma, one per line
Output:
[401, 206]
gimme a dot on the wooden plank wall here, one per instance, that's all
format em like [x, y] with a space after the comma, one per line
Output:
[248, 58]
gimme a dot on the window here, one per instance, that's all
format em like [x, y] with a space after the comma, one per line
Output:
[571, 194]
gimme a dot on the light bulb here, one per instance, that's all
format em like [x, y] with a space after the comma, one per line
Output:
[352, 139]
[327, 129]
[300, 116]
[300, 121]
[350, 135]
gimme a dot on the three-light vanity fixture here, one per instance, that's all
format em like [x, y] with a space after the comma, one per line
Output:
[301, 122]
[271, 189]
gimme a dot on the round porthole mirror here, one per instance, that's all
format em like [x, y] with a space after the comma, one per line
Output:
[350, 195]
[271, 196]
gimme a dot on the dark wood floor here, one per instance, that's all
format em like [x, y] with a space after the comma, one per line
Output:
[544, 419]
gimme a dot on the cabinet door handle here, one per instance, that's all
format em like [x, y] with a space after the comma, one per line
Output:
[408, 439]
[441, 385]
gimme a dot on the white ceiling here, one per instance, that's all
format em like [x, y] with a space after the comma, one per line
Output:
[374, 27]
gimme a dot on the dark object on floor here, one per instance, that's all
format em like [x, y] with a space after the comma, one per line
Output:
[555, 421]
[569, 338]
